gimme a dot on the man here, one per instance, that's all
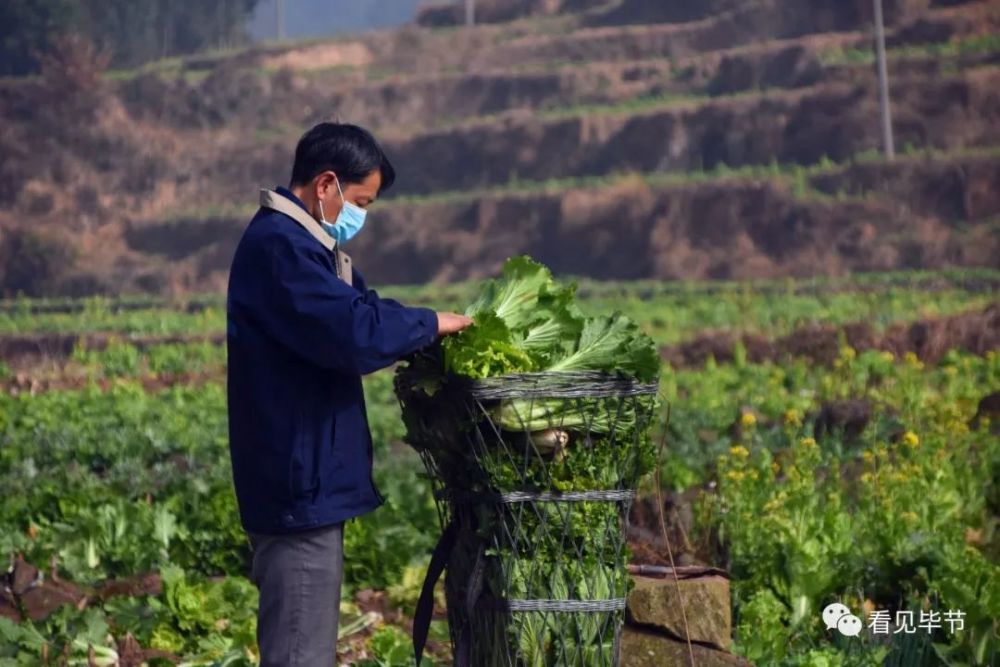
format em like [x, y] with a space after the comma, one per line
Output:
[302, 330]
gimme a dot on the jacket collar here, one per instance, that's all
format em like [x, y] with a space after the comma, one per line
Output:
[288, 194]
[294, 209]
[283, 201]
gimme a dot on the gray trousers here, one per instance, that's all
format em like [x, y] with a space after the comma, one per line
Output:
[299, 578]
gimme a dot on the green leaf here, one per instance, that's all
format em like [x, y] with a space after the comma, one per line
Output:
[554, 334]
[486, 348]
[514, 296]
[613, 343]
[164, 526]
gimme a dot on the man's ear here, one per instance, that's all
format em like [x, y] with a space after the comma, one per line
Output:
[324, 182]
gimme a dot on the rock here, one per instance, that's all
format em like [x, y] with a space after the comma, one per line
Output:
[642, 648]
[654, 604]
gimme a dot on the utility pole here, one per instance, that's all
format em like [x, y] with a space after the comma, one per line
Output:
[470, 12]
[279, 19]
[883, 84]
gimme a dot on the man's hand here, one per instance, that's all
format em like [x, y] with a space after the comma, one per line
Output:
[449, 323]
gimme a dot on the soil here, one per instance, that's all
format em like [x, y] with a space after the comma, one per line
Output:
[977, 332]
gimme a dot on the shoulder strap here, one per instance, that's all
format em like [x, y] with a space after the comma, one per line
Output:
[274, 201]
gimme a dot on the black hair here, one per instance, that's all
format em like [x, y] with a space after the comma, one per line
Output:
[349, 151]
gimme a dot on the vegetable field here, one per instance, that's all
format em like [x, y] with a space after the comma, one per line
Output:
[853, 458]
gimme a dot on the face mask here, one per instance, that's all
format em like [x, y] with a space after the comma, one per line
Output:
[349, 222]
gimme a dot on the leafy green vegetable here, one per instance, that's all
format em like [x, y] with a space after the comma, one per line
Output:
[222, 613]
[613, 343]
[486, 348]
[391, 647]
[513, 298]
[593, 415]
[526, 321]
[556, 335]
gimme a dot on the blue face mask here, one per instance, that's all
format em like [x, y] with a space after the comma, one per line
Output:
[349, 222]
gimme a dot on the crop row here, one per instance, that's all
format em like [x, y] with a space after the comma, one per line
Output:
[968, 279]
[669, 312]
[111, 484]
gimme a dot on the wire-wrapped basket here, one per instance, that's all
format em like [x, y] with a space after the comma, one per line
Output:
[534, 475]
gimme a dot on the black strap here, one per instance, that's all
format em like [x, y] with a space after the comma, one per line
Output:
[463, 650]
[425, 605]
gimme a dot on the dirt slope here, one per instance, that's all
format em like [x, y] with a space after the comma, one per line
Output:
[518, 136]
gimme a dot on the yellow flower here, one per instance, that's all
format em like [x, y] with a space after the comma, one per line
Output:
[888, 357]
[911, 359]
[910, 439]
[848, 352]
[735, 475]
[792, 417]
[747, 419]
[899, 476]
[867, 456]
[808, 443]
[866, 478]
[739, 451]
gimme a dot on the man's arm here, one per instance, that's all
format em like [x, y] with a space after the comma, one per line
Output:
[448, 323]
[306, 308]
[359, 284]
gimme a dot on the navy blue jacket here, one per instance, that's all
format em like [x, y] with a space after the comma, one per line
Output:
[300, 338]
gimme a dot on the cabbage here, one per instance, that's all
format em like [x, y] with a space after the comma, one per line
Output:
[525, 322]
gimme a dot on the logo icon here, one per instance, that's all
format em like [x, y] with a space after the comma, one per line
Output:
[833, 613]
[837, 615]
[849, 625]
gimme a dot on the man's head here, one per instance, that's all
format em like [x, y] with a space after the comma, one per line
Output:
[335, 152]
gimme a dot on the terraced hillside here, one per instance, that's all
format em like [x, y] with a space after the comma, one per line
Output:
[618, 140]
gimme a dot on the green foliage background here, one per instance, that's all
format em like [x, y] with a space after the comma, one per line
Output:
[114, 479]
